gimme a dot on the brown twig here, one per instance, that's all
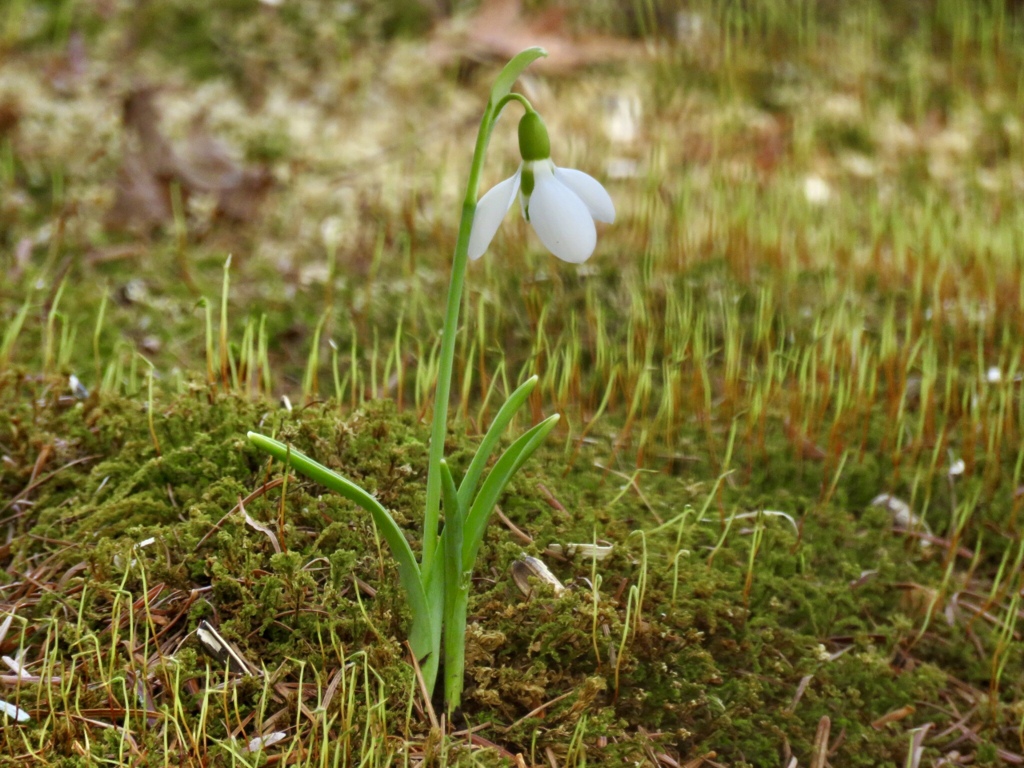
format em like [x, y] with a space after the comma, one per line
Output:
[423, 688]
[517, 532]
[535, 711]
[819, 752]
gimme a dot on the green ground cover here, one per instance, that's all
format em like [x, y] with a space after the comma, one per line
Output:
[811, 298]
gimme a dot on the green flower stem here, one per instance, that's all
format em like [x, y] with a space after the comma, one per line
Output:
[451, 321]
[514, 97]
[500, 96]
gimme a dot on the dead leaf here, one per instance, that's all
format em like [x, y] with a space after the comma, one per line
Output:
[142, 118]
[893, 716]
[10, 115]
[67, 72]
[526, 568]
[153, 168]
[141, 200]
[499, 29]
[256, 525]
[805, 447]
[208, 163]
[241, 201]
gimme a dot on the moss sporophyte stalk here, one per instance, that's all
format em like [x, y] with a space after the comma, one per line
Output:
[561, 205]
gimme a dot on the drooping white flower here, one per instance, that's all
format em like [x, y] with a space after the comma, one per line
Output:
[561, 203]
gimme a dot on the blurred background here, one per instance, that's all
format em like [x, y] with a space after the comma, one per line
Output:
[780, 168]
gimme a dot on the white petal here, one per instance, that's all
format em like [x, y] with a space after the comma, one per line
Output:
[14, 712]
[489, 212]
[590, 191]
[561, 219]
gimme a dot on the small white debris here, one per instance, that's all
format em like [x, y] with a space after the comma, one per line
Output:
[316, 273]
[860, 166]
[902, 516]
[622, 118]
[331, 231]
[993, 375]
[16, 713]
[766, 513]
[135, 291]
[16, 666]
[77, 388]
[816, 190]
[864, 578]
[286, 403]
[260, 742]
[842, 108]
[776, 513]
[592, 551]
[690, 27]
[6, 625]
[223, 651]
[140, 545]
[256, 525]
[957, 468]
[530, 567]
[622, 168]
[989, 180]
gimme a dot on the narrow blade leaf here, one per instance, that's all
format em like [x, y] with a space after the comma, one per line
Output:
[483, 454]
[454, 520]
[494, 485]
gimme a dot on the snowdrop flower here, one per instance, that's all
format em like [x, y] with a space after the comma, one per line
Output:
[561, 203]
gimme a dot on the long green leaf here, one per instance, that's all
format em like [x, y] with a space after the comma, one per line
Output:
[508, 76]
[408, 568]
[501, 421]
[434, 587]
[456, 592]
[494, 485]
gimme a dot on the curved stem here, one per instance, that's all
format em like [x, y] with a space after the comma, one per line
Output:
[439, 428]
[513, 97]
